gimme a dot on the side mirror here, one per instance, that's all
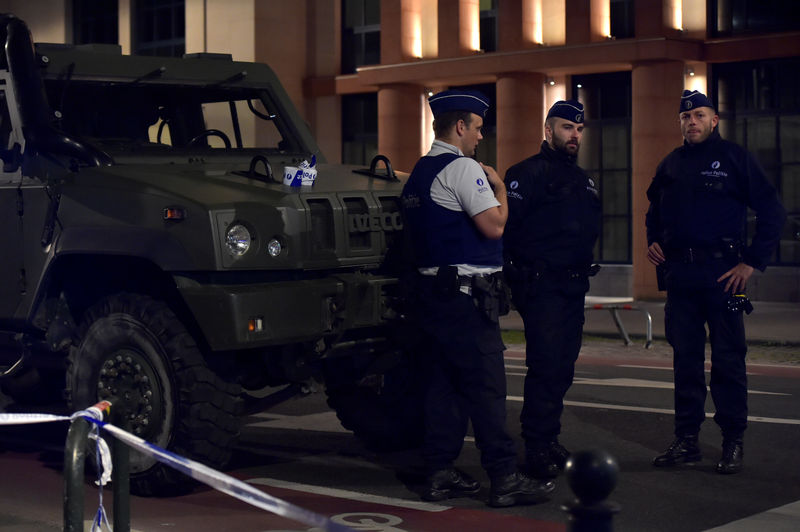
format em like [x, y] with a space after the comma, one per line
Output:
[11, 158]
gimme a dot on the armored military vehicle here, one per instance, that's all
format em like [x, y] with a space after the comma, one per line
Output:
[153, 255]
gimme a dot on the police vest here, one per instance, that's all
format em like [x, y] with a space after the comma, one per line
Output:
[439, 236]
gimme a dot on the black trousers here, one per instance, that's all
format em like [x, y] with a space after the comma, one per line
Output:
[465, 380]
[687, 312]
[552, 312]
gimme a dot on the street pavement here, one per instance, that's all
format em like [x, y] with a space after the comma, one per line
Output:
[772, 330]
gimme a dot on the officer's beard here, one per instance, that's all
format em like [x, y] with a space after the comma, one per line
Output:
[566, 147]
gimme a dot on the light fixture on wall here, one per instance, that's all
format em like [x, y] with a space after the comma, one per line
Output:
[550, 81]
[428, 92]
[689, 71]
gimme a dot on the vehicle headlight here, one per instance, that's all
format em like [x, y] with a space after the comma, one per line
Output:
[238, 239]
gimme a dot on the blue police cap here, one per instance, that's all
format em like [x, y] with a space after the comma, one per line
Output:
[571, 110]
[693, 99]
[459, 100]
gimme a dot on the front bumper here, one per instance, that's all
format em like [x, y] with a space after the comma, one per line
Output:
[288, 311]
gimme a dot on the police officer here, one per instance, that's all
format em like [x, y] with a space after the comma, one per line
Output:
[455, 212]
[554, 220]
[695, 233]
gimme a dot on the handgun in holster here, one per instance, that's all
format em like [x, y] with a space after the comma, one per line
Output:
[489, 296]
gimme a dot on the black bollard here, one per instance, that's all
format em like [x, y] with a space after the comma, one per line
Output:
[592, 476]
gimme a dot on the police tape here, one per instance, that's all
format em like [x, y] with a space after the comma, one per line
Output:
[202, 473]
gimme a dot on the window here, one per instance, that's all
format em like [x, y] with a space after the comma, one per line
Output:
[162, 118]
[731, 17]
[361, 34]
[160, 27]
[605, 155]
[622, 21]
[488, 25]
[359, 128]
[759, 108]
[95, 21]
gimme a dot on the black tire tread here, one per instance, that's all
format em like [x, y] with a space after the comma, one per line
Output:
[207, 408]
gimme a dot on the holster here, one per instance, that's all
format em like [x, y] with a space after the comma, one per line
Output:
[446, 283]
[489, 295]
[523, 279]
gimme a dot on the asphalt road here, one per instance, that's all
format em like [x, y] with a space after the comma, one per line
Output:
[620, 402]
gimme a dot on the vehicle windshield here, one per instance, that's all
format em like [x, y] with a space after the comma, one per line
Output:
[125, 116]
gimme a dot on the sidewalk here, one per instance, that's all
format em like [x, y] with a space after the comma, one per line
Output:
[770, 323]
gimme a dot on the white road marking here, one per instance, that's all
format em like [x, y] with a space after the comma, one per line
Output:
[669, 368]
[321, 422]
[628, 408]
[781, 519]
[640, 383]
[346, 494]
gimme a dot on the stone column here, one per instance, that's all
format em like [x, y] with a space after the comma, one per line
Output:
[400, 124]
[586, 20]
[520, 117]
[456, 21]
[655, 131]
[400, 24]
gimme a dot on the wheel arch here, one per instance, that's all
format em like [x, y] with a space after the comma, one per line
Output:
[72, 283]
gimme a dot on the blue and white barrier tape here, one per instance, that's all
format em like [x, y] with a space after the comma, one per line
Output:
[202, 473]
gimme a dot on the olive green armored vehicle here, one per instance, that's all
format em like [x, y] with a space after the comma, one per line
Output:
[154, 257]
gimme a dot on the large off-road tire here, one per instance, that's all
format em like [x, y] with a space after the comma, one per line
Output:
[383, 409]
[133, 348]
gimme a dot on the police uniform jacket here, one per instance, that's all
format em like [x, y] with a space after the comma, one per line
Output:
[553, 212]
[699, 198]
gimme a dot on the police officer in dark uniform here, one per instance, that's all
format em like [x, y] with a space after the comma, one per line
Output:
[554, 220]
[695, 233]
[455, 212]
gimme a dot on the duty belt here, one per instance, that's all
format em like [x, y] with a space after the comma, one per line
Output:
[701, 254]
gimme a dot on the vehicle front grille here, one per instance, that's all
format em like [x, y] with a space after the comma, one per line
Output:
[323, 236]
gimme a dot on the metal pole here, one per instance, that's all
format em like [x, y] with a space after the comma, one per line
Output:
[74, 460]
[120, 479]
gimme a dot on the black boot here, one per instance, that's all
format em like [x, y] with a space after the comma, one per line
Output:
[540, 464]
[449, 483]
[683, 449]
[559, 454]
[518, 488]
[732, 457]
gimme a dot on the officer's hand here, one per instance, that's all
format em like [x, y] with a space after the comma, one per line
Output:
[654, 254]
[491, 175]
[737, 277]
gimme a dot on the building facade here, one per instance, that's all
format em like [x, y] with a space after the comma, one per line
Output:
[360, 72]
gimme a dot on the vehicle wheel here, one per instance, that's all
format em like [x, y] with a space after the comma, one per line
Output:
[133, 348]
[383, 409]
